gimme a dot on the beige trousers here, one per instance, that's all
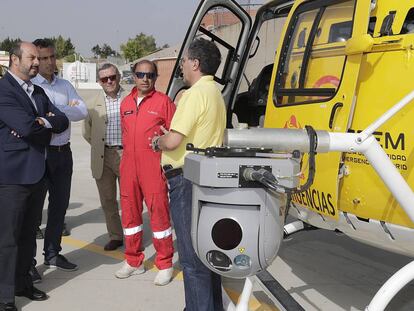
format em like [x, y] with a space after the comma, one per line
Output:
[108, 193]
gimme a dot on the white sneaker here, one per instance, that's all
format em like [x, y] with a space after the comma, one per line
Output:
[127, 270]
[163, 277]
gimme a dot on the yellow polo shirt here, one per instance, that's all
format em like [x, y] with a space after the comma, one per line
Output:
[200, 117]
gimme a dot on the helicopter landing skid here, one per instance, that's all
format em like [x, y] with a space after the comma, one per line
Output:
[279, 296]
[391, 288]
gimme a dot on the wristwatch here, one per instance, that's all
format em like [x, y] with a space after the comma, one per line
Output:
[154, 143]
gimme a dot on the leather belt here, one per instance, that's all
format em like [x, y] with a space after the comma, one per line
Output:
[114, 147]
[170, 172]
[61, 148]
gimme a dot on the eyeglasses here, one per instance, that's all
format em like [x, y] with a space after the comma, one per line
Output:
[150, 75]
[105, 79]
[183, 60]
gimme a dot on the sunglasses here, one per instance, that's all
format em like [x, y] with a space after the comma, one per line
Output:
[150, 75]
[105, 79]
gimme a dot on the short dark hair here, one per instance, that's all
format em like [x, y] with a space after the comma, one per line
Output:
[207, 53]
[44, 43]
[107, 66]
[16, 49]
[145, 61]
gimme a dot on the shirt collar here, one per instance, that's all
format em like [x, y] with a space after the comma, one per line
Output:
[136, 93]
[20, 81]
[27, 86]
[39, 79]
[204, 79]
[118, 96]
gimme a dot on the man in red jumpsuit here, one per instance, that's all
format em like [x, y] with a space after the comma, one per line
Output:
[144, 112]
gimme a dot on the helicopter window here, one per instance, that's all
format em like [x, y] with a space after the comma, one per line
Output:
[251, 99]
[223, 27]
[371, 25]
[211, 28]
[340, 32]
[386, 27]
[312, 62]
[301, 38]
[408, 26]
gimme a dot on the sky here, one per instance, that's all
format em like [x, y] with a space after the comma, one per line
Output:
[91, 22]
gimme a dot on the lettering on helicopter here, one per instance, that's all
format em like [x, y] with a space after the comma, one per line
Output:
[387, 140]
[318, 201]
[393, 144]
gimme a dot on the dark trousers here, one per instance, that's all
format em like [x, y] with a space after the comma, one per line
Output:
[58, 180]
[20, 210]
[202, 287]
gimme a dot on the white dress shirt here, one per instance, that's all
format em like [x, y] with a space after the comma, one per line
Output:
[29, 89]
[61, 93]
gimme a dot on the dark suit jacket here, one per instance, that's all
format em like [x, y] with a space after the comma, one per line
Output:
[22, 159]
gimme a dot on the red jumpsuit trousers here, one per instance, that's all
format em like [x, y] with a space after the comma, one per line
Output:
[141, 177]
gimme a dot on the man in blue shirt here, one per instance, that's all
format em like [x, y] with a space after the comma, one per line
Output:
[59, 155]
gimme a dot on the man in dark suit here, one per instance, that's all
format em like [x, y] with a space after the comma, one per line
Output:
[27, 121]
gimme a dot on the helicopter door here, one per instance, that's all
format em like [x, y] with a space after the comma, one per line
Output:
[314, 84]
[228, 25]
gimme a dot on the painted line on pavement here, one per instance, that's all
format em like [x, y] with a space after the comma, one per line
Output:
[97, 249]
[254, 304]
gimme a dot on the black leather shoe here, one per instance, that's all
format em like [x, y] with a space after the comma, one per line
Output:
[33, 294]
[113, 245]
[10, 306]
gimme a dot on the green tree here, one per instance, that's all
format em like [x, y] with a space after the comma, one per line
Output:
[72, 57]
[138, 47]
[7, 44]
[63, 47]
[96, 50]
[104, 51]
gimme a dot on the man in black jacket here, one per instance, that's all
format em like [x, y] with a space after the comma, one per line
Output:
[27, 121]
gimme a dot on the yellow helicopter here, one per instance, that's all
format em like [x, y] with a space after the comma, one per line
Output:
[339, 66]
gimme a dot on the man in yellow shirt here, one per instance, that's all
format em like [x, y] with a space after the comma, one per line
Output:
[200, 119]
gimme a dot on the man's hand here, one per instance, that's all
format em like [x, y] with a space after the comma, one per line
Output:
[164, 130]
[154, 143]
[40, 121]
[73, 103]
[154, 140]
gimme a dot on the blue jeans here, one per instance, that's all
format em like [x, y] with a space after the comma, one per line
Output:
[59, 179]
[202, 287]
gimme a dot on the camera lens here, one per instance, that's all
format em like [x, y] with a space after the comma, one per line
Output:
[226, 234]
[242, 261]
[219, 260]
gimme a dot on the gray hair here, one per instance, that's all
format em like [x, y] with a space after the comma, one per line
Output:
[207, 53]
[107, 66]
